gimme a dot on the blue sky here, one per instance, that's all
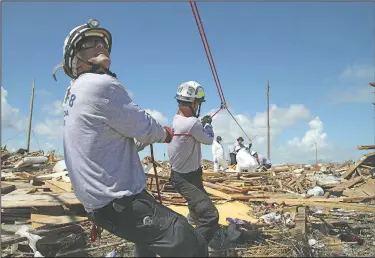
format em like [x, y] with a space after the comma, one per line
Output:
[319, 58]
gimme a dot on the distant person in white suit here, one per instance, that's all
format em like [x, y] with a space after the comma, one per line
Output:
[218, 155]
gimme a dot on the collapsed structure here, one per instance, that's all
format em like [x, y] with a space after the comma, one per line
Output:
[290, 210]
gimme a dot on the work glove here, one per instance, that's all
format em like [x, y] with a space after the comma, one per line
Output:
[169, 132]
[206, 120]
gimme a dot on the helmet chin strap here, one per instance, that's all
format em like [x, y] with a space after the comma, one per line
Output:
[196, 114]
[95, 67]
[185, 107]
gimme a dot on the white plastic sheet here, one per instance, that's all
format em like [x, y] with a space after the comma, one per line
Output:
[27, 161]
[245, 161]
[316, 191]
[31, 239]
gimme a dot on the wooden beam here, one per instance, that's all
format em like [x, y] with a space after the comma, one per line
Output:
[217, 193]
[366, 147]
[37, 200]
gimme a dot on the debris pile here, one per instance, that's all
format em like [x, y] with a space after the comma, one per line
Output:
[290, 210]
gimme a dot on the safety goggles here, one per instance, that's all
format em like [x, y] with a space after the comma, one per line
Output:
[92, 42]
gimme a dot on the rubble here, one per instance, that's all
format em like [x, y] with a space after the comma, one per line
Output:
[289, 210]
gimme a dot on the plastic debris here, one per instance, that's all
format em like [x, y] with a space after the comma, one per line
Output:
[316, 191]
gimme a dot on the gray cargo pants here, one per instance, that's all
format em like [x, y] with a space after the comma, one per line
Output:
[154, 228]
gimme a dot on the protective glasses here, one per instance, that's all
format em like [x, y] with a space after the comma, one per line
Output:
[94, 42]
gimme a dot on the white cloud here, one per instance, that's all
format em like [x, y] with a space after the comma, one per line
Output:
[280, 119]
[55, 108]
[357, 71]
[51, 128]
[11, 117]
[315, 135]
[361, 95]
[354, 86]
[159, 117]
[297, 150]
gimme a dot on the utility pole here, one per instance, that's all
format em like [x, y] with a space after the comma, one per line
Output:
[372, 84]
[268, 122]
[30, 116]
[316, 154]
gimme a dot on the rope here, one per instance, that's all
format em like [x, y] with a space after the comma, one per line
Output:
[36, 139]
[238, 124]
[207, 49]
[211, 62]
[13, 136]
[156, 173]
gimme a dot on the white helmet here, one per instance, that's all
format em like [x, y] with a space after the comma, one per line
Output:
[253, 153]
[90, 29]
[191, 92]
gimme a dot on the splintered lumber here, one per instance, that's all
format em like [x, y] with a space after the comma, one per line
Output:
[39, 220]
[217, 193]
[365, 190]
[37, 200]
[365, 159]
[221, 187]
[58, 186]
[280, 168]
[366, 147]
[323, 202]
[345, 185]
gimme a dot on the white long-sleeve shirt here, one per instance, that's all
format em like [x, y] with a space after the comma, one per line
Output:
[217, 150]
[237, 144]
[185, 151]
[100, 125]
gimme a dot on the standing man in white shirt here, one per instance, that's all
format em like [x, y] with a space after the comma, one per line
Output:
[218, 155]
[185, 156]
[233, 153]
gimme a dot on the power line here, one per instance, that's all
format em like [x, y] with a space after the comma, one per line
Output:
[14, 136]
[36, 139]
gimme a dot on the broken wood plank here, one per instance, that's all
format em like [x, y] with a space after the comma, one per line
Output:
[38, 200]
[42, 220]
[280, 168]
[59, 186]
[345, 185]
[366, 147]
[217, 193]
[220, 187]
[352, 168]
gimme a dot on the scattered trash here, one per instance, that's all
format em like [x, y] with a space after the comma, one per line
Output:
[268, 208]
[316, 191]
[111, 254]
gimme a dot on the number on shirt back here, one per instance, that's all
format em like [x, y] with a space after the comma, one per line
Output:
[69, 99]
